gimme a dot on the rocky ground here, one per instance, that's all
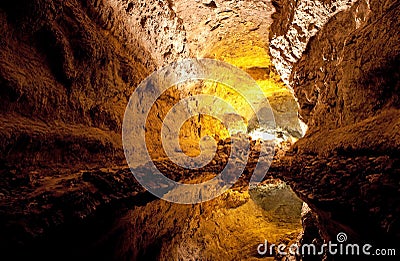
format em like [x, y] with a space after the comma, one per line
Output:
[351, 185]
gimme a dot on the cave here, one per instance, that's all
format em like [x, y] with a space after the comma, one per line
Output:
[199, 129]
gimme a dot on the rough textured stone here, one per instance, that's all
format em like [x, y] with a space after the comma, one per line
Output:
[295, 23]
[56, 61]
[347, 84]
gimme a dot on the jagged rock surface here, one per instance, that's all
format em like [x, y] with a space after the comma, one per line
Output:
[295, 23]
[347, 85]
[65, 83]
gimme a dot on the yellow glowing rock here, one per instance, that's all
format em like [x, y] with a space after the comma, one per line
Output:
[251, 55]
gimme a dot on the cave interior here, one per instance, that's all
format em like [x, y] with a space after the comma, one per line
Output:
[325, 74]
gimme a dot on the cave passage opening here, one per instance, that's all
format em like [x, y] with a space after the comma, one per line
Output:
[270, 210]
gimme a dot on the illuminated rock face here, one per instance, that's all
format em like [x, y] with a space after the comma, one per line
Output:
[354, 80]
[347, 79]
[249, 52]
[154, 23]
[235, 32]
[347, 85]
[298, 22]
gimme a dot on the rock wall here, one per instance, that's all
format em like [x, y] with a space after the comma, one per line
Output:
[349, 79]
[347, 84]
[154, 23]
[295, 23]
[210, 22]
[67, 70]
